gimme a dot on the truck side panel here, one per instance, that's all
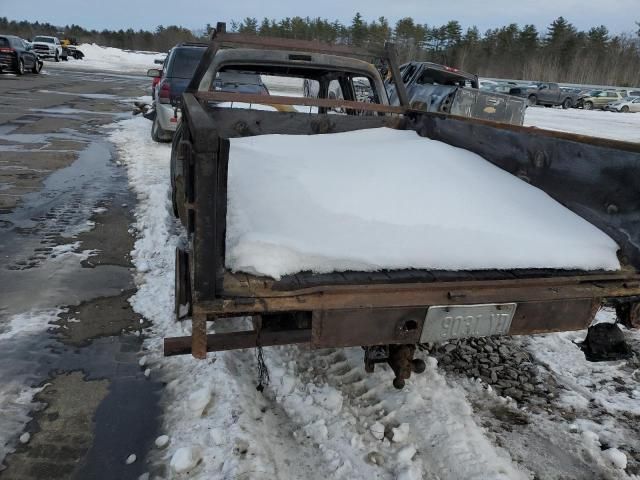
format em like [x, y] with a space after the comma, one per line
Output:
[597, 179]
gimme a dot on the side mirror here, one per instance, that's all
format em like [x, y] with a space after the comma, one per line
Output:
[154, 73]
[158, 61]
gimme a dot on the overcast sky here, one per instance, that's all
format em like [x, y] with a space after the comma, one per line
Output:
[617, 15]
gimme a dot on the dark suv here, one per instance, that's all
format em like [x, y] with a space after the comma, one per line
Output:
[18, 56]
[178, 68]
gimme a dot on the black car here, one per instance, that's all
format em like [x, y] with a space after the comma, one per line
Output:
[18, 56]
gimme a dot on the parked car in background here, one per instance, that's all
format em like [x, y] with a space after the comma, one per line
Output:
[625, 105]
[547, 94]
[69, 50]
[18, 56]
[156, 80]
[438, 88]
[632, 93]
[599, 99]
[48, 47]
[176, 73]
[504, 88]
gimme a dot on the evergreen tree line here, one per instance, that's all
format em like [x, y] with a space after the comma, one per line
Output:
[562, 53]
[160, 40]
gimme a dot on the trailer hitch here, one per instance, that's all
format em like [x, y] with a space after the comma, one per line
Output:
[400, 359]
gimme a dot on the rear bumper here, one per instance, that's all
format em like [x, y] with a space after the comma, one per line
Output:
[395, 314]
[168, 116]
[7, 61]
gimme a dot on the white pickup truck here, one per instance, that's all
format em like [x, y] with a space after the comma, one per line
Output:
[49, 47]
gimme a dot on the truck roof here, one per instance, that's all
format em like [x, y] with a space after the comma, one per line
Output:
[446, 71]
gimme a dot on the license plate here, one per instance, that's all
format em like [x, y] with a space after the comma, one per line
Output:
[449, 322]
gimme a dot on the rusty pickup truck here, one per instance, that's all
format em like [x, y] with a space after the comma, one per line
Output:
[386, 312]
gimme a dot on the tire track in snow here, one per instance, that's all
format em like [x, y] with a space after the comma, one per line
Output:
[448, 442]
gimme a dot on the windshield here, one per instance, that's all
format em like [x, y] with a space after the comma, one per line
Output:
[231, 81]
[43, 39]
[185, 62]
[4, 42]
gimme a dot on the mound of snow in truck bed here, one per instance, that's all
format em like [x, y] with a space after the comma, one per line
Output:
[388, 199]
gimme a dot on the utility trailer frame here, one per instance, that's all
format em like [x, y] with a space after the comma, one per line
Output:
[389, 309]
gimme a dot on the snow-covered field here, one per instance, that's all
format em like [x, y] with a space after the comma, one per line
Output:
[109, 59]
[595, 123]
[323, 417]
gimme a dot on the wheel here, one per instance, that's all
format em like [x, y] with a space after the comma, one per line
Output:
[625, 109]
[157, 133]
[57, 57]
[20, 69]
[532, 100]
[567, 104]
[588, 105]
[176, 169]
[37, 67]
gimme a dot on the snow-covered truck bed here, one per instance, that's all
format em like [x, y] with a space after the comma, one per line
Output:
[437, 258]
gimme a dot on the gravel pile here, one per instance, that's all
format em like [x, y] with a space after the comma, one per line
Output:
[500, 362]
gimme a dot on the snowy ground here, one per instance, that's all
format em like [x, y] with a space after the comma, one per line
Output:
[109, 59]
[595, 123]
[322, 416]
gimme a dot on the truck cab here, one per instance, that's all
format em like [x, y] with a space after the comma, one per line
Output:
[441, 89]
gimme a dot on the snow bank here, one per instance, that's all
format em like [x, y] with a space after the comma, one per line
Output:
[110, 59]
[388, 199]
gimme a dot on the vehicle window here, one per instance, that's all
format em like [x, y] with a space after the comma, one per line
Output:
[612, 95]
[634, 94]
[363, 89]
[637, 100]
[426, 78]
[4, 42]
[408, 72]
[239, 82]
[335, 91]
[43, 39]
[310, 88]
[185, 61]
